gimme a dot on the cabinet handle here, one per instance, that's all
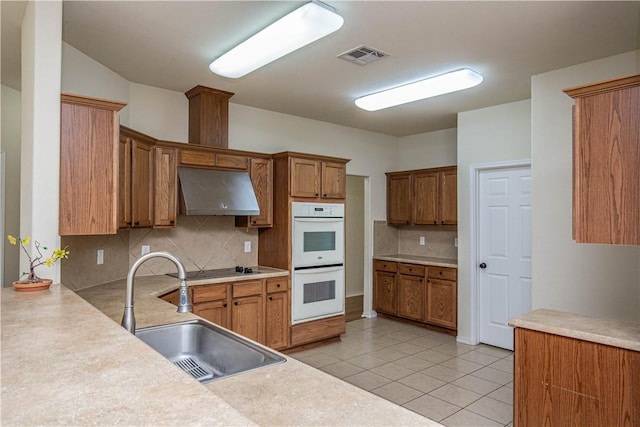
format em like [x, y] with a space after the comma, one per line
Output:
[440, 273]
[235, 303]
[172, 222]
[253, 222]
[270, 298]
[278, 285]
[442, 222]
[136, 223]
[435, 222]
[224, 305]
[129, 223]
[317, 194]
[324, 195]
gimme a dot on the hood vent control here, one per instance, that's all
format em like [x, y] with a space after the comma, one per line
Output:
[363, 55]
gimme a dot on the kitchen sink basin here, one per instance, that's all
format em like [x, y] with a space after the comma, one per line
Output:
[205, 351]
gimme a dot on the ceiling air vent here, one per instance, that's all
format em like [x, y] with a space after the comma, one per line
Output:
[363, 55]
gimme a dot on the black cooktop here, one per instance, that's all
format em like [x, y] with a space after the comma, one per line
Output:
[219, 273]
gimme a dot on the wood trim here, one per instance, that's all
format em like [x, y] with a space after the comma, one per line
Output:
[604, 86]
[92, 102]
[199, 90]
[412, 171]
[311, 157]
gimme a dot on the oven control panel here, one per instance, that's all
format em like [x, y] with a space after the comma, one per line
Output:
[317, 210]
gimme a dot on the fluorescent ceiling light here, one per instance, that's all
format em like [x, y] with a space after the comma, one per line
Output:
[427, 88]
[304, 25]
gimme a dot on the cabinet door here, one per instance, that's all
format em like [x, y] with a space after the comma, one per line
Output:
[399, 199]
[142, 163]
[88, 202]
[305, 177]
[277, 320]
[166, 187]
[384, 292]
[247, 317]
[262, 178]
[124, 183]
[448, 197]
[411, 297]
[334, 180]
[442, 299]
[213, 311]
[425, 198]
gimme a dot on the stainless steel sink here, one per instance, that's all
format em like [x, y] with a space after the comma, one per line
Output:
[206, 351]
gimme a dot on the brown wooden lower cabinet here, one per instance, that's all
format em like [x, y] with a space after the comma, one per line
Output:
[421, 293]
[256, 309]
[561, 381]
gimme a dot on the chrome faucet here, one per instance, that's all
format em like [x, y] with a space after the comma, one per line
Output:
[184, 306]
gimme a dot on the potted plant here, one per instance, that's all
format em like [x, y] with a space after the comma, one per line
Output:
[30, 280]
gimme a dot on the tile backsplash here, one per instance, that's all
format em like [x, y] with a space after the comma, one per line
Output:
[406, 240]
[201, 242]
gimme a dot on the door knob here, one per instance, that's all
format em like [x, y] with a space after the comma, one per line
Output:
[483, 265]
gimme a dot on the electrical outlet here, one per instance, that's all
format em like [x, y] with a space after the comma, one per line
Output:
[145, 249]
[455, 242]
[100, 257]
[422, 241]
[247, 246]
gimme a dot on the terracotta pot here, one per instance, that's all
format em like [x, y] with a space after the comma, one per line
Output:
[32, 287]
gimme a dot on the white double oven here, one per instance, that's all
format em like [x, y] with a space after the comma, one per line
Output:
[318, 261]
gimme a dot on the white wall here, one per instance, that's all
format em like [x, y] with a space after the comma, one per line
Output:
[40, 132]
[82, 75]
[595, 280]
[491, 134]
[372, 154]
[161, 113]
[11, 110]
[428, 150]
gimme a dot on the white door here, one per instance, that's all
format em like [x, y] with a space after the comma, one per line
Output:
[504, 262]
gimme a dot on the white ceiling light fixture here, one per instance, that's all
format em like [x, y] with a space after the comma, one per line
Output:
[304, 25]
[453, 81]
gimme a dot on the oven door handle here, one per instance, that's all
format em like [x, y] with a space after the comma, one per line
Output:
[316, 270]
[307, 219]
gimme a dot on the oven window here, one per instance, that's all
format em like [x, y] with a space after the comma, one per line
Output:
[317, 241]
[319, 291]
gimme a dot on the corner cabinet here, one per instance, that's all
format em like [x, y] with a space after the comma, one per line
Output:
[261, 174]
[426, 294]
[88, 166]
[422, 197]
[606, 162]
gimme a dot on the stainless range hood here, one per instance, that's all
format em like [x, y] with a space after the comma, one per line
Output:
[216, 192]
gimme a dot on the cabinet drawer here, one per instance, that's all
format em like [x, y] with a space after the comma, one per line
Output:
[229, 161]
[197, 158]
[246, 289]
[209, 293]
[443, 273]
[389, 266]
[411, 269]
[276, 285]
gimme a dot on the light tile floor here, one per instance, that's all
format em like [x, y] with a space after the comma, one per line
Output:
[424, 371]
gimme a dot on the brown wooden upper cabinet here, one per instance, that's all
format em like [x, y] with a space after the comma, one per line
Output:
[166, 187]
[261, 174]
[136, 179]
[316, 178]
[422, 197]
[88, 166]
[606, 159]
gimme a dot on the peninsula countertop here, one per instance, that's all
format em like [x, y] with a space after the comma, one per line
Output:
[422, 260]
[66, 362]
[608, 332]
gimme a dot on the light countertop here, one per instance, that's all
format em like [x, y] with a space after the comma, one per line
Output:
[601, 331]
[66, 362]
[422, 260]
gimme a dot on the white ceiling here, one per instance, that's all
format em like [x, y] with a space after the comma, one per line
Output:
[169, 44]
